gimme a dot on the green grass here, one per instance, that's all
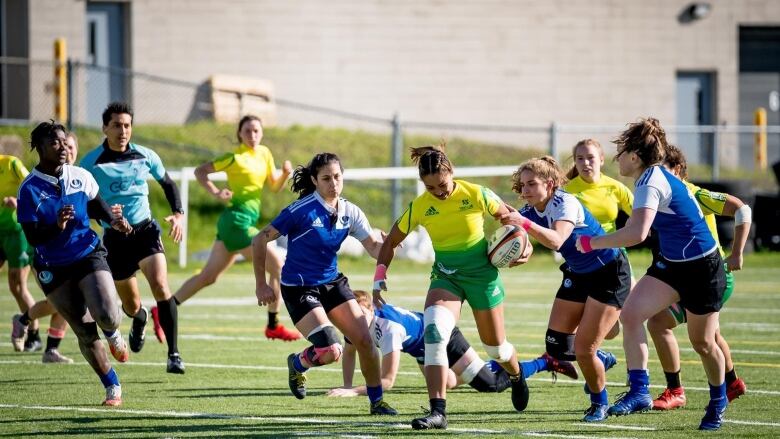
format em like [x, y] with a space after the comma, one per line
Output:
[235, 385]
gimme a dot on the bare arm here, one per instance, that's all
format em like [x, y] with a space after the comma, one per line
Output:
[276, 183]
[390, 365]
[372, 245]
[348, 364]
[741, 232]
[635, 231]
[202, 175]
[385, 256]
[550, 238]
[264, 293]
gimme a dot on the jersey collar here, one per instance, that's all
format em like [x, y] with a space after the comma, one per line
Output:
[339, 209]
[55, 181]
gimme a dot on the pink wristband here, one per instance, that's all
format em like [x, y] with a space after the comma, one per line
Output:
[585, 243]
[525, 223]
[381, 272]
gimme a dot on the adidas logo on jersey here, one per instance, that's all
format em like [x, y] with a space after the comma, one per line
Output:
[431, 211]
[317, 223]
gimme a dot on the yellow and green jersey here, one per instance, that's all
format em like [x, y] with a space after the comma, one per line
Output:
[603, 199]
[455, 224]
[247, 171]
[711, 204]
[12, 173]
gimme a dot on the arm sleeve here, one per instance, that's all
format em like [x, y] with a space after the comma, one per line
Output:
[19, 170]
[492, 201]
[391, 339]
[283, 221]
[710, 202]
[360, 228]
[407, 222]
[91, 187]
[98, 209]
[223, 161]
[625, 199]
[38, 233]
[171, 193]
[156, 167]
[647, 196]
[569, 209]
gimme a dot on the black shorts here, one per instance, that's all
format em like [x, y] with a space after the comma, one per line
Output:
[609, 284]
[299, 300]
[456, 348]
[52, 277]
[126, 251]
[700, 282]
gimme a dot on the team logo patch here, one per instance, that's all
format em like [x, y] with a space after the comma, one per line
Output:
[308, 298]
[76, 183]
[567, 283]
[45, 276]
[660, 265]
[444, 269]
[345, 220]
[496, 291]
[317, 222]
[431, 211]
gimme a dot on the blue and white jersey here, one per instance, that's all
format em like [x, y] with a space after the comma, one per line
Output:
[40, 199]
[122, 177]
[315, 232]
[397, 329]
[565, 207]
[682, 231]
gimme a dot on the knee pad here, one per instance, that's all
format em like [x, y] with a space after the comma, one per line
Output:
[326, 347]
[560, 345]
[488, 381]
[439, 323]
[472, 370]
[501, 353]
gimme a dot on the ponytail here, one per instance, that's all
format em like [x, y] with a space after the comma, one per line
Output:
[546, 168]
[646, 139]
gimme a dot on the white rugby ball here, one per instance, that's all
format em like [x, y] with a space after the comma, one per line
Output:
[507, 244]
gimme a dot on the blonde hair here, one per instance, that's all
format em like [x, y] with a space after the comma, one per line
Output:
[363, 299]
[573, 172]
[431, 159]
[546, 168]
[646, 139]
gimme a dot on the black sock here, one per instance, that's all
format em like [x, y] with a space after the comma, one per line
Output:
[176, 300]
[438, 405]
[32, 334]
[52, 343]
[169, 320]
[25, 318]
[273, 319]
[140, 318]
[731, 376]
[673, 380]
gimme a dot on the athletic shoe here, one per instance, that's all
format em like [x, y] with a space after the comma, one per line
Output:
[430, 421]
[113, 396]
[137, 335]
[519, 392]
[281, 333]
[609, 360]
[18, 331]
[713, 417]
[296, 379]
[596, 413]
[631, 402]
[118, 348]
[736, 389]
[556, 366]
[670, 399]
[33, 343]
[175, 364]
[158, 330]
[382, 408]
[54, 356]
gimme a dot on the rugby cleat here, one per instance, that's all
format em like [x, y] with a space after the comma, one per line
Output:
[118, 347]
[54, 356]
[137, 335]
[670, 399]
[631, 402]
[519, 391]
[158, 330]
[382, 408]
[556, 366]
[736, 389]
[608, 359]
[596, 413]
[33, 342]
[281, 333]
[713, 416]
[113, 396]
[175, 364]
[430, 421]
[18, 331]
[296, 379]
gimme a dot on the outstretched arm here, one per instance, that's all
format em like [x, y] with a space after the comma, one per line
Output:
[265, 294]
[743, 217]
[385, 256]
[276, 183]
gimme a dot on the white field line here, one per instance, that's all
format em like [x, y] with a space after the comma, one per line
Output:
[615, 426]
[762, 424]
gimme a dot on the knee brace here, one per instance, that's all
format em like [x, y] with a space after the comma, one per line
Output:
[472, 370]
[439, 323]
[488, 381]
[325, 348]
[560, 345]
[501, 353]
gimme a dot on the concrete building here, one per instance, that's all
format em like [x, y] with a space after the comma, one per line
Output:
[493, 62]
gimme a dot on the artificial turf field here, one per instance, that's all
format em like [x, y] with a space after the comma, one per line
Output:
[236, 380]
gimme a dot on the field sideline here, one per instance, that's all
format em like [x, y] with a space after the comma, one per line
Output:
[236, 385]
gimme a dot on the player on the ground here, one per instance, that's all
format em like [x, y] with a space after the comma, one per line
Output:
[452, 212]
[396, 330]
[594, 286]
[55, 203]
[248, 169]
[660, 325]
[690, 270]
[314, 291]
[121, 169]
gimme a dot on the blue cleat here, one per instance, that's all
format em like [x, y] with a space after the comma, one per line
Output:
[596, 413]
[609, 360]
[631, 402]
[713, 417]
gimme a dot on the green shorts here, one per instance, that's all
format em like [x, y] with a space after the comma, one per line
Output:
[15, 248]
[469, 275]
[236, 226]
[678, 312]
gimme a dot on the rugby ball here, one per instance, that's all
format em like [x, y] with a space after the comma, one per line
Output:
[507, 244]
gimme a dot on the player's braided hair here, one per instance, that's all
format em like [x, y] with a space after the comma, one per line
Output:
[245, 119]
[674, 158]
[44, 130]
[546, 168]
[302, 176]
[646, 139]
[573, 172]
[431, 159]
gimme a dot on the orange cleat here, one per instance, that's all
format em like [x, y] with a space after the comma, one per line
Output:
[281, 333]
[118, 348]
[158, 330]
[736, 389]
[113, 396]
[670, 399]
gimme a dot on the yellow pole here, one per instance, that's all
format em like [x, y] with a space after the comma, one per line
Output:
[60, 80]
